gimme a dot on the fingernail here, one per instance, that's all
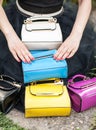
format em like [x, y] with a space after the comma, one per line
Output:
[63, 59]
[24, 60]
[19, 60]
[54, 57]
[32, 58]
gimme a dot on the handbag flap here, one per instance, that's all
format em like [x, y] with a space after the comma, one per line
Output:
[44, 60]
[47, 88]
[44, 54]
[83, 84]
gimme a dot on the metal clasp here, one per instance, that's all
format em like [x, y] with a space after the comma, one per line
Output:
[17, 85]
[1, 77]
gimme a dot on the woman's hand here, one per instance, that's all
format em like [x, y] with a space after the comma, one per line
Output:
[68, 48]
[18, 49]
[71, 44]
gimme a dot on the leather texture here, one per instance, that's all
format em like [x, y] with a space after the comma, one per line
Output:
[44, 66]
[40, 34]
[82, 92]
[47, 99]
[9, 93]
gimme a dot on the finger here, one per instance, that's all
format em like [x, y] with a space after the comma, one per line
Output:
[20, 55]
[66, 55]
[60, 53]
[27, 59]
[71, 54]
[27, 55]
[15, 56]
[25, 51]
[59, 56]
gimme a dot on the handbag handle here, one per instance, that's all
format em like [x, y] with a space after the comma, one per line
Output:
[45, 54]
[42, 57]
[9, 80]
[83, 77]
[50, 23]
[90, 82]
[34, 19]
[47, 93]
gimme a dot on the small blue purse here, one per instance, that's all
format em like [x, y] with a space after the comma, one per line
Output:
[44, 67]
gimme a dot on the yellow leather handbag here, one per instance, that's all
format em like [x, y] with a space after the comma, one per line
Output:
[47, 98]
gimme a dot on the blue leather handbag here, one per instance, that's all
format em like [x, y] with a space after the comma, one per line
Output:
[44, 67]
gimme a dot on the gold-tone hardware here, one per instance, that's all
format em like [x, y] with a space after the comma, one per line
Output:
[33, 19]
[33, 83]
[70, 82]
[86, 78]
[17, 85]
[47, 93]
[83, 86]
[12, 83]
[58, 83]
[1, 77]
[6, 76]
[53, 20]
[40, 57]
[88, 85]
[27, 21]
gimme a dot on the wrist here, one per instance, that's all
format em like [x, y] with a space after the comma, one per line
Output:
[9, 32]
[77, 34]
[7, 29]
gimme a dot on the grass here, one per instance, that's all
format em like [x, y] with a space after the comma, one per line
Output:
[93, 124]
[94, 4]
[7, 124]
[92, 72]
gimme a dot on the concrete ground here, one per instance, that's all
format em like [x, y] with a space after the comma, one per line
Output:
[76, 121]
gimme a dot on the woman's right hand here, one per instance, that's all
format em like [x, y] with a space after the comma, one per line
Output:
[18, 49]
[16, 46]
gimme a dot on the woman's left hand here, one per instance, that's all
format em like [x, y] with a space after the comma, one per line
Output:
[68, 48]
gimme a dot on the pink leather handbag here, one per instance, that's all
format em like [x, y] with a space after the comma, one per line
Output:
[82, 91]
